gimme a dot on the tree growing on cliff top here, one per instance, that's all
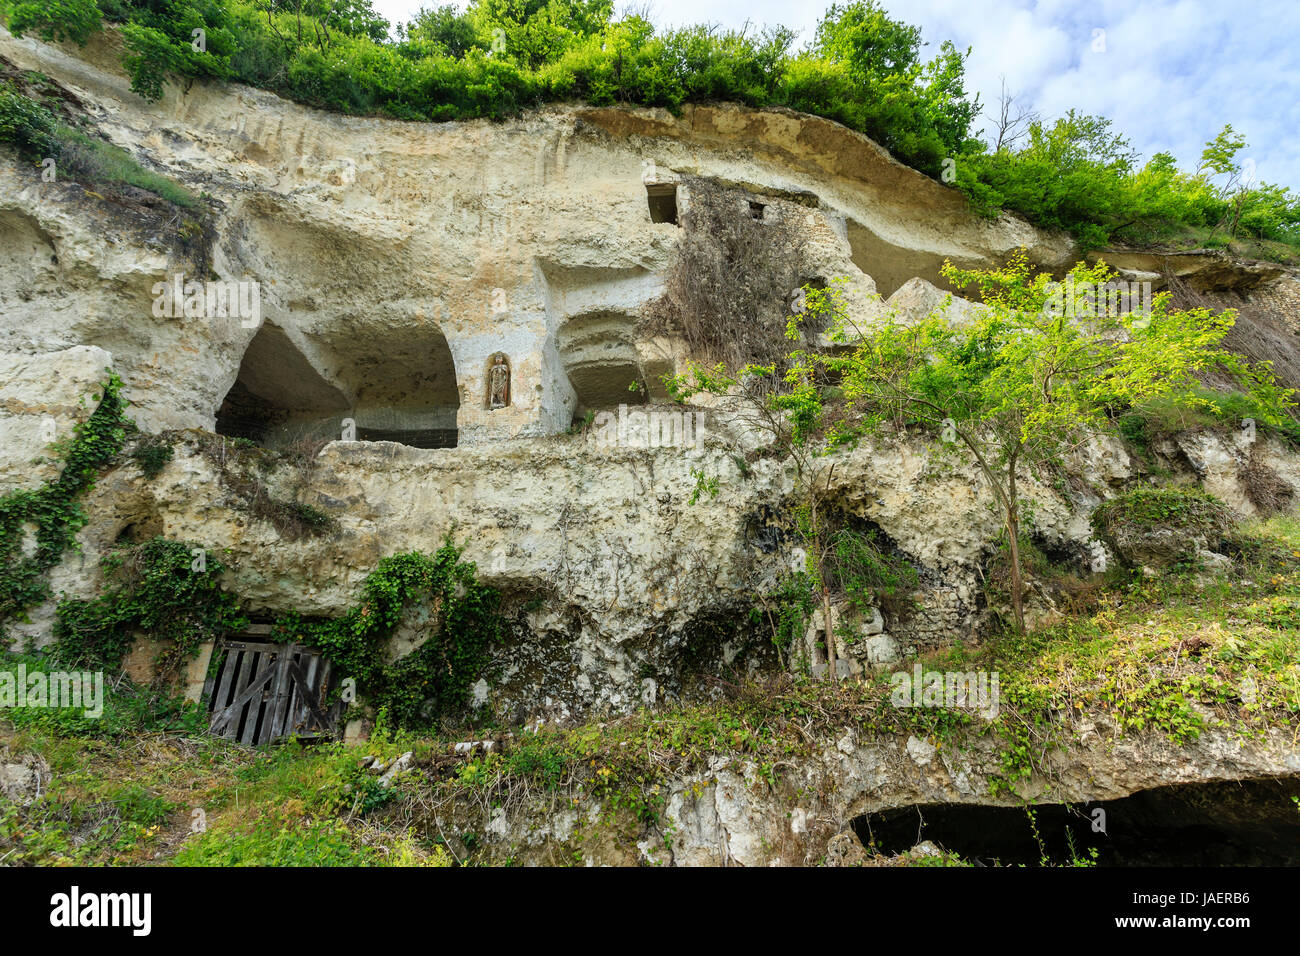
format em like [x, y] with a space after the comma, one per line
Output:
[1041, 367]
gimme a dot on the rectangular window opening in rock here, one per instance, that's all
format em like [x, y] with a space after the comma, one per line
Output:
[662, 198]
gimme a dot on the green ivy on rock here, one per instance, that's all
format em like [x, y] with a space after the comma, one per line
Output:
[53, 510]
[158, 588]
[436, 678]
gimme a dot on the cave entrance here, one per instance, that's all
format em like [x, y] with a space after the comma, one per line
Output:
[402, 382]
[599, 353]
[405, 387]
[278, 396]
[1249, 823]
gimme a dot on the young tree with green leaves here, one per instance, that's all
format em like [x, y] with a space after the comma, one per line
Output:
[787, 409]
[1037, 372]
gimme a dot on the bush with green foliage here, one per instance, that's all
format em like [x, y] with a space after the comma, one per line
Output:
[159, 588]
[36, 133]
[152, 455]
[97, 164]
[55, 20]
[433, 680]
[1079, 175]
[26, 125]
[1147, 422]
[870, 572]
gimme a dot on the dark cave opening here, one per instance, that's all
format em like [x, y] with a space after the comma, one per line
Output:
[403, 389]
[411, 437]
[1250, 823]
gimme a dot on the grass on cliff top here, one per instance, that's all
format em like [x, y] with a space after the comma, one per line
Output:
[1173, 656]
[41, 124]
[101, 165]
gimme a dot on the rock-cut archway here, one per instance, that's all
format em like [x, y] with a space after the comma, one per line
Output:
[599, 353]
[404, 386]
[278, 396]
[397, 385]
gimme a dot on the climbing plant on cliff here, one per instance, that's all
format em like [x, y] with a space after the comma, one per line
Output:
[785, 407]
[168, 590]
[1036, 372]
[434, 679]
[53, 511]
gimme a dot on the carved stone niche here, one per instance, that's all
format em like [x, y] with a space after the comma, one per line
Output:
[498, 382]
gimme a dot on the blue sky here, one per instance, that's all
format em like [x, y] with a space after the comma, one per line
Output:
[1168, 73]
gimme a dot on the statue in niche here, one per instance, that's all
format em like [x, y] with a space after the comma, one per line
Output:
[498, 382]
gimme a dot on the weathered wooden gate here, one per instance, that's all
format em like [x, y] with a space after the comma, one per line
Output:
[263, 692]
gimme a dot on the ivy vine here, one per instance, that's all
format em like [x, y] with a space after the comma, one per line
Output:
[54, 510]
[434, 680]
[170, 590]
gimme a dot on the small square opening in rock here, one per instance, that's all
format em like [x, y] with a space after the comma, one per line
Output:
[662, 198]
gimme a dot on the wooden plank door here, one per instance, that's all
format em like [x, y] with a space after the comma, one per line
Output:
[262, 692]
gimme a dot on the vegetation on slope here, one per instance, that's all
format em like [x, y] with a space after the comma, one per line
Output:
[45, 130]
[1174, 656]
[860, 68]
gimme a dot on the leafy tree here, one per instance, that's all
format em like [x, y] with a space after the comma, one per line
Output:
[56, 20]
[862, 36]
[536, 32]
[1069, 175]
[441, 30]
[1035, 373]
[864, 69]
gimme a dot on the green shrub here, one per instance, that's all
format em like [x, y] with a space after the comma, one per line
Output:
[128, 709]
[870, 573]
[1167, 415]
[435, 679]
[1155, 509]
[152, 455]
[275, 839]
[26, 125]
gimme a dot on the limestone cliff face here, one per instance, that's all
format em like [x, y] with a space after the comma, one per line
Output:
[395, 259]
[395, 263]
